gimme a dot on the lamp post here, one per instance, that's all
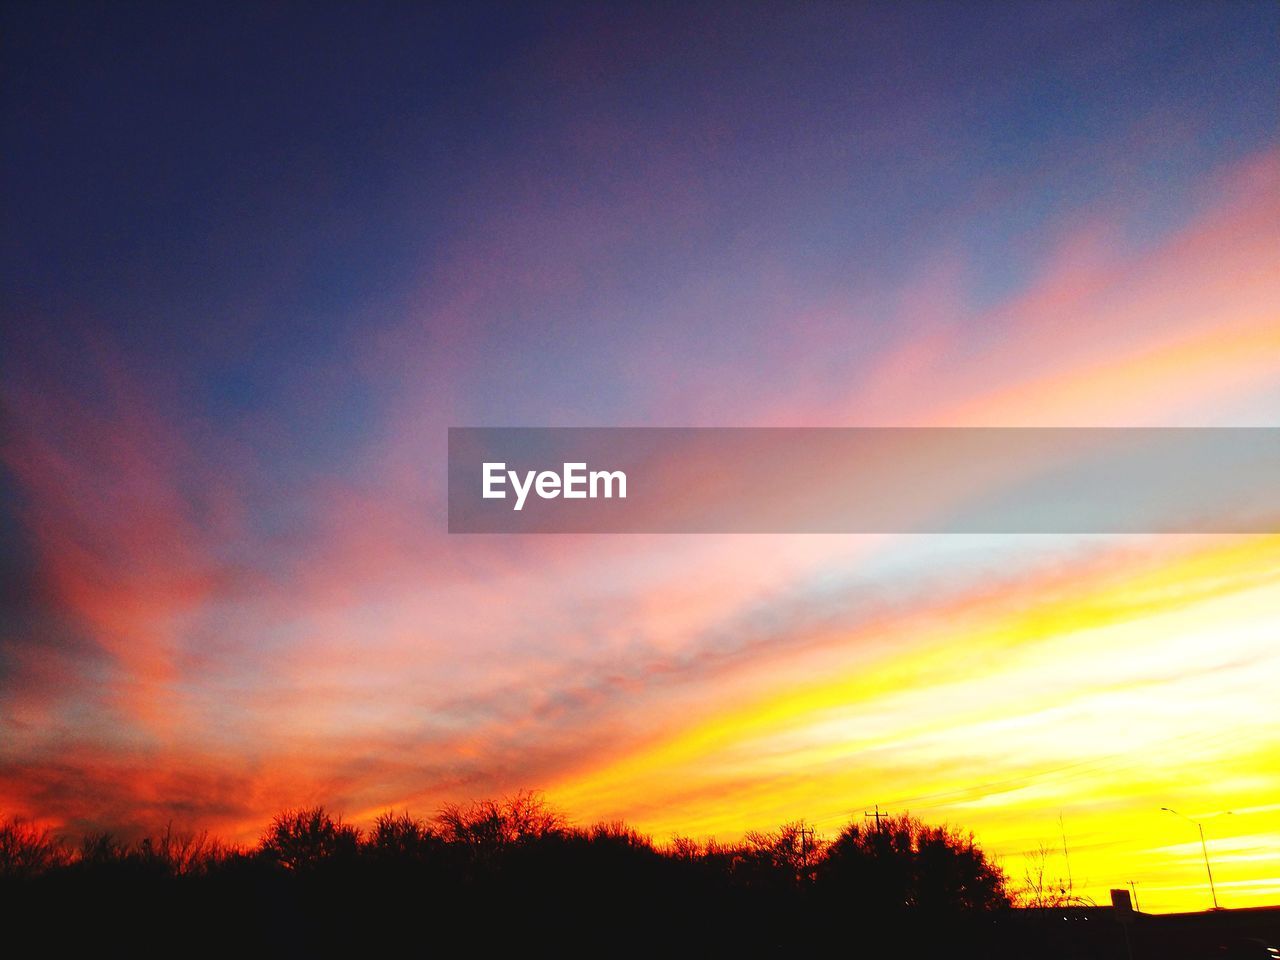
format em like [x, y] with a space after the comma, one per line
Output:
[1204, 847]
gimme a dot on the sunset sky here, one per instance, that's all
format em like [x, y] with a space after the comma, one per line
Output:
[257, 260]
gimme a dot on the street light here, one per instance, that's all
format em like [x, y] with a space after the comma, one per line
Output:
[1204, 847]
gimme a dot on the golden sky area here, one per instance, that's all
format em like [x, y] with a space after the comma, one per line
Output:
[1097, 700]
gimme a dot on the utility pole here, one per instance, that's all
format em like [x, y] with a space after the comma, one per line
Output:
[806, 833]
[877, 817]
[1204, 848]
[1066, 857]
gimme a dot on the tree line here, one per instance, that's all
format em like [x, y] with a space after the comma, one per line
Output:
[514, 872]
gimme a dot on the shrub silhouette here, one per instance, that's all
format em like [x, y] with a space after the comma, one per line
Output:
[788, 855]
[1040, 892]
[182, 854]
[402, 837]
[101, 849]
[27, 850]
[511, 872]
[490, 826]
[904, 864]
[304, 838]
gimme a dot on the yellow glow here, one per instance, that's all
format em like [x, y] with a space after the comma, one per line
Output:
[1099, 699]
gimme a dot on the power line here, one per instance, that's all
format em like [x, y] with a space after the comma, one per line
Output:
[806, 834]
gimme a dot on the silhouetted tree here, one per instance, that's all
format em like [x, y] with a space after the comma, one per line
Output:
[183, 854]
[903, 864]
[398, 835]
[27, 850]
[1042, 892]
[490, 826]
[512, 873]
[787, 855]
[299, 839]
[98, 849]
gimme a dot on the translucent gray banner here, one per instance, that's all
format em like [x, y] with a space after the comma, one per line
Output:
[864, 480]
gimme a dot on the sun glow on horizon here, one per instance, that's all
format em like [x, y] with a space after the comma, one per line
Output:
[1002, 720]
